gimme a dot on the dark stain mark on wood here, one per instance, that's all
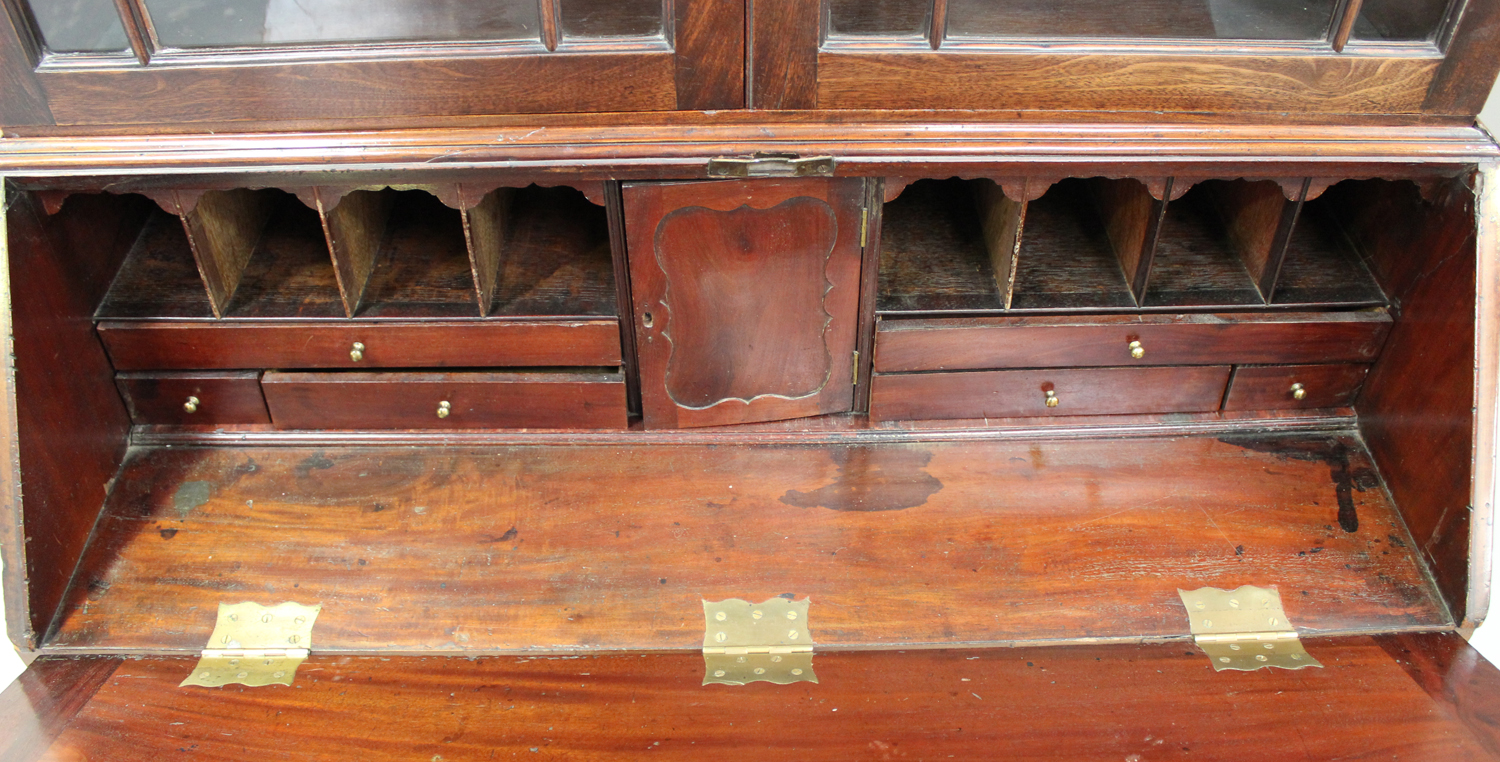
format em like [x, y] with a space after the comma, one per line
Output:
[188, 497]
[872, 478]
[167, 534]
[315, 462]
[1333, 451]
[510, 534]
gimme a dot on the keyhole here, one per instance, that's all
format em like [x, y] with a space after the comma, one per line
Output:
[646, 320]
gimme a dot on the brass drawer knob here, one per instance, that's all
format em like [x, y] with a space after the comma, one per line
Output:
[357, 352]
[1136, 350]
[191, 405]
[1051, 399]
[444, 409]
[1298, 392]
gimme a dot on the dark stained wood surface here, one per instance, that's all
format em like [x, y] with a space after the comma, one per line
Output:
[367, 89]
[783, 67]
[1021, 393]
[38, 705]
[556, 258]
[746, 298]
[555, 548]
[1472, 60]
[223, 229]
[1258, 219]
[932, 252]
[1417, 405]
[1196, 263]
[951, 79]
[23, 103]
[354, 225]
[164, 345]
[710, 54]
[1269, 387]
[421, 266]
[1073, 704]
[1065, 261]
[70, 423]
[1049, 342]
[515, 399]
[1132, 220]
[1320, 266]
[231, 397]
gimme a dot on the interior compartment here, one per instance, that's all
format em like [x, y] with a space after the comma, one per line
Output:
[524, 543]
[1066, 261]
[934, 255]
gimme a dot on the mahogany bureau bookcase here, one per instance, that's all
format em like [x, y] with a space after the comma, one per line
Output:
[748, 379]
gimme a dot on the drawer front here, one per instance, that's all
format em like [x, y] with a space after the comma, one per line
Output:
[1023, 393]
[446, 400]
[982, 343]
[180, 399]
[1275, 387]
[150, 345]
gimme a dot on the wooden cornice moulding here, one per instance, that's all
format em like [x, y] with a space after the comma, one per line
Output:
[621, 150]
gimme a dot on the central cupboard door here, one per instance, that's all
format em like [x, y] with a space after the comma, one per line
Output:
[746, 298]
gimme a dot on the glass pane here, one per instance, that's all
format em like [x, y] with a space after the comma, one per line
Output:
[883, 18]
[80, 26]
[1408, 20]
[1182, 19]
[611, 18]
[202, 23]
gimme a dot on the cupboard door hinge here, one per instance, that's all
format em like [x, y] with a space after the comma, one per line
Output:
[746, 642]
[856, 368]
[864, 227]
[255, 645]
[1244, 629]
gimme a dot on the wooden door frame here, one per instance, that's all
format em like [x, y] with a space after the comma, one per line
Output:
[698, 63]
[794, 66]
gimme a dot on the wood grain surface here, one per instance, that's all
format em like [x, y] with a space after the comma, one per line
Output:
[1269, 387]
[411, 400]
[224, 397]
[184, 345]
[746, 298]
[1421, 697]
[559, 548]
[1052, 342]
[1128, 82]
[1021, 393]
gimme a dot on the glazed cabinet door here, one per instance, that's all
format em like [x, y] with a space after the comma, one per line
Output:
[1303, 60]
[79, 62]
[746, 298]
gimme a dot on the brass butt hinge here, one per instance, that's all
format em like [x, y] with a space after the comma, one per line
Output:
[856, 368]
[1244, 629]
[746, 642]
[864, 227]
[255, 645]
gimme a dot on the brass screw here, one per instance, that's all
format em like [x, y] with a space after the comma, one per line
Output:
[357, 352]
[1052, 400]
[1298, 392]
[191, 405]
[444, 409]
[1136, 350]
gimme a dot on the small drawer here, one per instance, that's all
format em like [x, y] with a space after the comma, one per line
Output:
[149, 345]
[903, 346]
[181, 399]
[1025, 393]
[1277, 387]
[506, 400]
